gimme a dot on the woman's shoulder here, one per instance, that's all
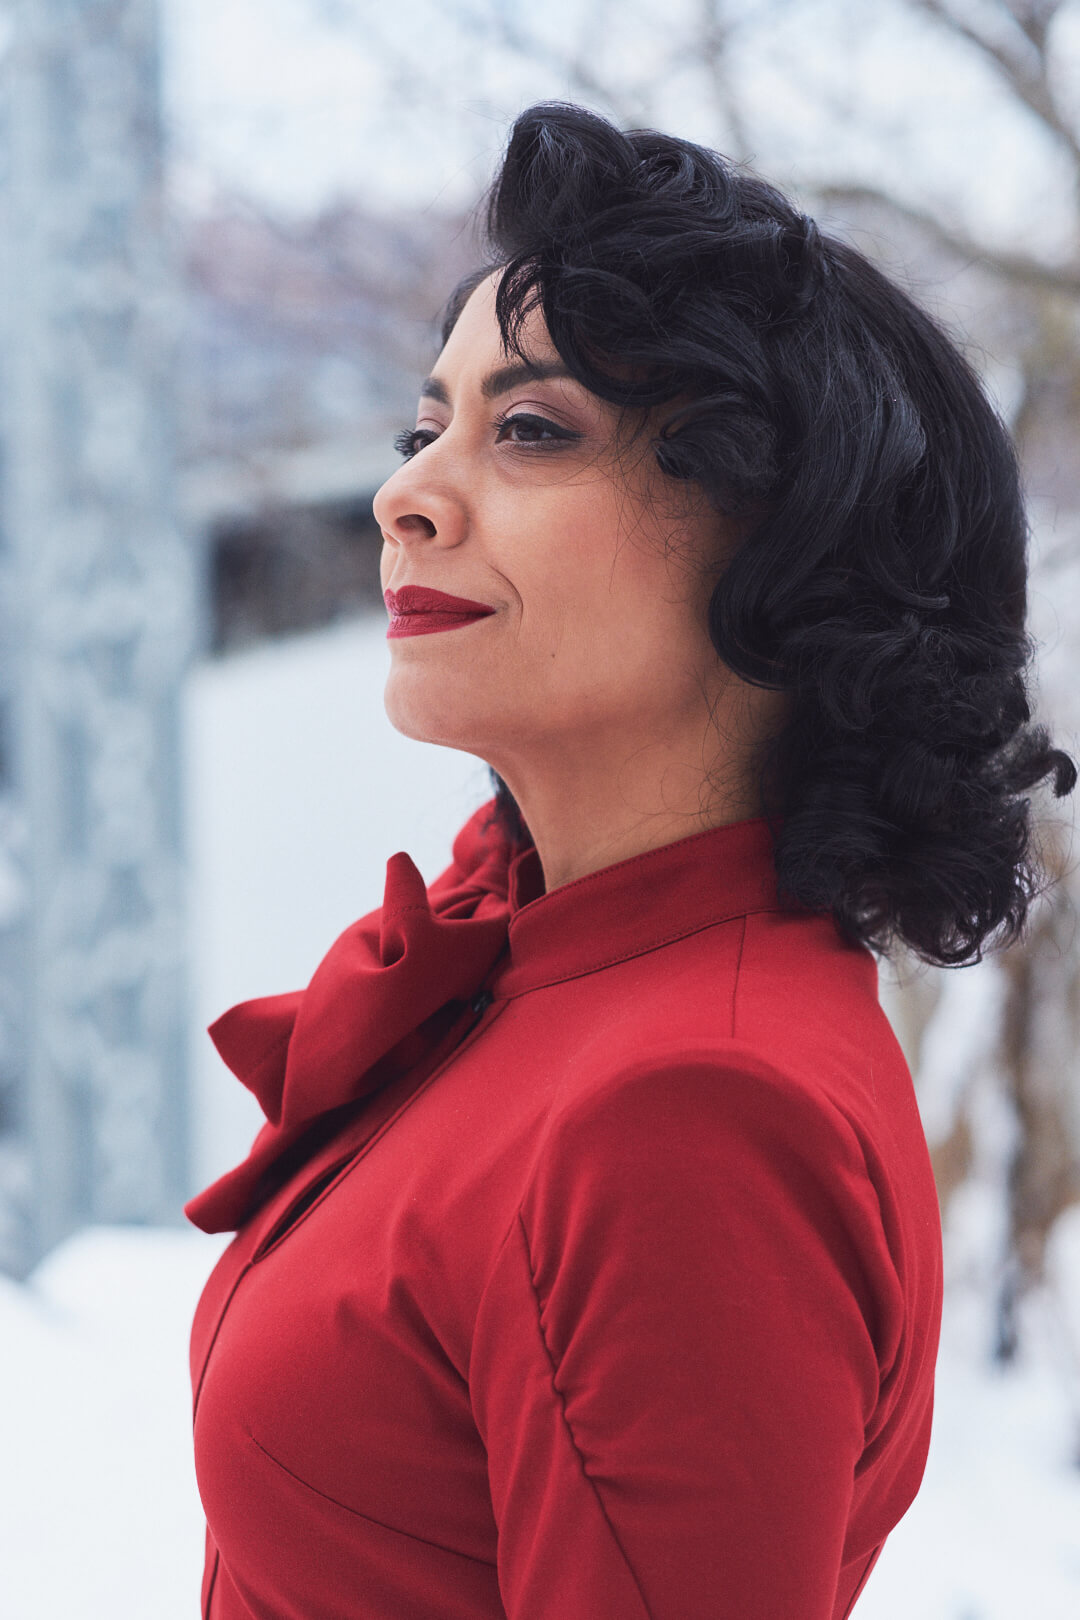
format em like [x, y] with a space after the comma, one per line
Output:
[683, 1096]
[729, 1125]
[806, 999]
[715, 1145]
[780, 996]
[783, 1041]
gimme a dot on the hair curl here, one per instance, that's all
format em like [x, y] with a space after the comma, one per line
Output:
[883, 581]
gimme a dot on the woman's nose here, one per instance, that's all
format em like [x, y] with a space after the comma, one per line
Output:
[407, 510]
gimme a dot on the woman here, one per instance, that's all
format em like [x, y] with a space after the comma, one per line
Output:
[588, 1266]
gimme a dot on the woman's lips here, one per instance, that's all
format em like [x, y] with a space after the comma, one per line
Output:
[417, 610]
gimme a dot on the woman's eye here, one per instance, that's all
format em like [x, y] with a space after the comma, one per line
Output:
[526, 429]
[410, 440]
[520, 429]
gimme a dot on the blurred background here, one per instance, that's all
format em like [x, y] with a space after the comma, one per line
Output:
[226, 231]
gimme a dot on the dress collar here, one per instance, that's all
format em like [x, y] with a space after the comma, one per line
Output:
[632, 906]
[389, 991]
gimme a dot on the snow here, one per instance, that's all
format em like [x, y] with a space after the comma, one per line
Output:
[994, 1533]
[99, 1514]
[299, 792]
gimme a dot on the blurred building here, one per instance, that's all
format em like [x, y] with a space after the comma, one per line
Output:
[99, 611]
[196, 414]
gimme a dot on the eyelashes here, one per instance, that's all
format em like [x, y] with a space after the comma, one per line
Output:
[410, 441]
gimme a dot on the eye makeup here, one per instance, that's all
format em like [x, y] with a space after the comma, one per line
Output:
[540, 434]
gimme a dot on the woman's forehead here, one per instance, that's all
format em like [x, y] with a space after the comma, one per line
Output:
[476, 332]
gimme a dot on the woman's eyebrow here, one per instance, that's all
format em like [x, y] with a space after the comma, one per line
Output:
[501, 380]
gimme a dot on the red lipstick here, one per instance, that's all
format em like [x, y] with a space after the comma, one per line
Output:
[417, 610]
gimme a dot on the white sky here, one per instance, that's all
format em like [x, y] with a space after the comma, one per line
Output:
[400, 107]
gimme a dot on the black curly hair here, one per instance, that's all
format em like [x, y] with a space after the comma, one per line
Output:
[883, 580]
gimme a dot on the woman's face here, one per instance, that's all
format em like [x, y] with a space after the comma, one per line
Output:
[518, 496]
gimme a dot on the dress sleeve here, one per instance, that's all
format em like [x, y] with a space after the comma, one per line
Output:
[678, 1349]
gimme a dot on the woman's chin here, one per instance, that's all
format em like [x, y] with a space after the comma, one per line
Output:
[427, 716]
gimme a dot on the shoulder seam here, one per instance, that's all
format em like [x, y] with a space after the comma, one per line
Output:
[565, 1417]
[735, 980]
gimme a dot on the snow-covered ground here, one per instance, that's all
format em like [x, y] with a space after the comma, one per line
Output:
[300, 790]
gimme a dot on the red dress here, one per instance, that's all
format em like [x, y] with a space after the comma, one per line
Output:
[587, 1268]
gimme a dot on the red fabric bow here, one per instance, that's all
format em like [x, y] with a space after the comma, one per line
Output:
[369, 1012]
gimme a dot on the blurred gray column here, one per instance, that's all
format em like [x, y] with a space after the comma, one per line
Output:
[97, 613]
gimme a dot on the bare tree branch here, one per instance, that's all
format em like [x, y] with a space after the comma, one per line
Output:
[496, 25]
[628, 106]
[1018, 268]
[1035, 18]
[711, 48]
[1028, 79]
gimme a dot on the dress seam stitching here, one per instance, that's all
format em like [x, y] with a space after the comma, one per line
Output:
[735, 981]
[325, 1496]
[222, 1313]
[566, 1419]
[212, 1583]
